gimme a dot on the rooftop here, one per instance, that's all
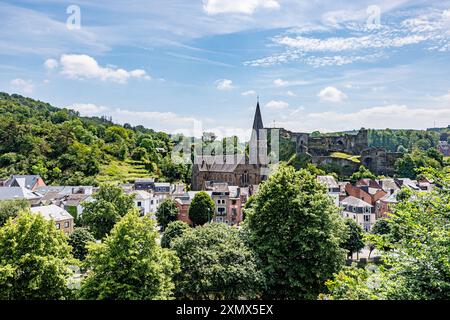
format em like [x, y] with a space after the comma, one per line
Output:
[52, 212]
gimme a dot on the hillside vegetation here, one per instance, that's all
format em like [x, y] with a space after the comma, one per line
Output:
[65, 148]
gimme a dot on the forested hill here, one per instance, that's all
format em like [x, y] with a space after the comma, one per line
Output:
[64, 148]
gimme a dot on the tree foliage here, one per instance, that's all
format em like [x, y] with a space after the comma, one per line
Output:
[215, 264]
[109, 206]
[354, 239]
[78, 241]
[34, 259]
[201, 209]
[129, 265]
[11, 208]
[295, 230]
[166, 213]
[174, 229]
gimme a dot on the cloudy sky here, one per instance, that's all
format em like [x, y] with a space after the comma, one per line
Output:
[187, 66]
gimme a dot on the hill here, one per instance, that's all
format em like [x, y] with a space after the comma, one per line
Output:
[65, 148]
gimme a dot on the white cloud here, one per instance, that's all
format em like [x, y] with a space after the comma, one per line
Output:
[23, 86]
[276, 105]
[249, 93]
[213, 7]
[81, 66]
[336, 44]
[51, 64]
[224, 84]
[331, 94]
[88, 109]
[291, 94]
[280, 83]
[390, 116]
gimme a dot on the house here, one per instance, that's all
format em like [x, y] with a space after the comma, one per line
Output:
[162, 189]
[385, 205]
[30, 182]
[62, 219]
[73, 203]
[144, 184]
[360, 211]
[146, 202]
[17, 193]
[333, 188]
[221, 196]
[368, 191]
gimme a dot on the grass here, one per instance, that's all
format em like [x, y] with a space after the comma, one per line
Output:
[122, 171]
[343, 155]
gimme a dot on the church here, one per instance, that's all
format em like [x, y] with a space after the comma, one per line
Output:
[237, 170]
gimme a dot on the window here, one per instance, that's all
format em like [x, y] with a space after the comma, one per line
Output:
[58, 226]
[233, 202]
[139, 203]
[151, 201]
[367, 218]
[66, 224]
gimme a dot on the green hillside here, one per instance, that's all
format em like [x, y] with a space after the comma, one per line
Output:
[64, 148]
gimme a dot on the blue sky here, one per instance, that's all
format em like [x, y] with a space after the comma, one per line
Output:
[188, 66]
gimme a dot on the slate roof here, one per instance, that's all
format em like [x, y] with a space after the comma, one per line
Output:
[329, 181]
[12, 193]
[355, 202]
[52, 212]
[26, 181]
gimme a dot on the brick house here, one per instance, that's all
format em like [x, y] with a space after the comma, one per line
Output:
[62, 219]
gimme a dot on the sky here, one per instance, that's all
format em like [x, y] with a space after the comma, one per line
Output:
[199, 65]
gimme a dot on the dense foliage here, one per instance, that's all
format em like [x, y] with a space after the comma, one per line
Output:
[129, 264]
[354, 240]
[296, 232]
[174, 229]
[109, 206]
[202, 209]
[34, 259]
[10, 209]
[166, 213]
[215, 264]
[417, 250]
[78, 241]
[64, 148]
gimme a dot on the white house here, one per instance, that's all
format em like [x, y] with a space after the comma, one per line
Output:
[147, 202]
[333, 188]
[360, 211]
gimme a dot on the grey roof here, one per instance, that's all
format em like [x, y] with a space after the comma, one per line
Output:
[26, 181]
[329, 181]
[62, 190]
[355, 202]
[52, 212]
[162, 184]
[144, 180]
[217, 163]
[141, 195]
[75, 199]
[11, 193]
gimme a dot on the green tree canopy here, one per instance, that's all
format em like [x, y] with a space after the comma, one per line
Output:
[129, 264]
[166, 213]
[109, 206]
[215, 264]
[11, 208]
[354, 241]
[296, 231]
[174, 229]
[201, 209]
[78, 241]
[362, 173]
[34, 259]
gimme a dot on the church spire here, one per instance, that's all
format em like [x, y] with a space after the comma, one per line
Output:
[257, 122]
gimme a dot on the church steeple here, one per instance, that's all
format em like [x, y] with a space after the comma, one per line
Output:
[257, 121]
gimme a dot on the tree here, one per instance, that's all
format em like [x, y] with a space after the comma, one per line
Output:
[128, 264]
[166, 213]
[215, 264]
[34, 259]
[78, 241]
[362, 173]
[109, 206]
[201, 209]
[381, 227]
[10, 209]
[174, 229]
[295, 230]
[354, 241]
[417, 267]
